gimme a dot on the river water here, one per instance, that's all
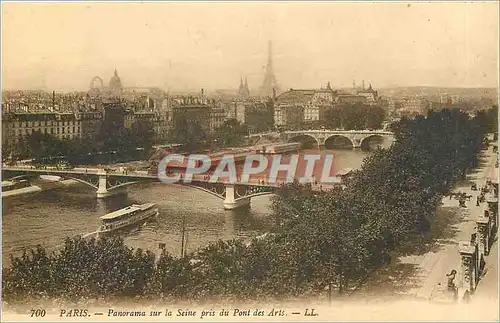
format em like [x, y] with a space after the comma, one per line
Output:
[48, 217]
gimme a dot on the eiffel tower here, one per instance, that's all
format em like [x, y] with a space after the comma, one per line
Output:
[269, 85]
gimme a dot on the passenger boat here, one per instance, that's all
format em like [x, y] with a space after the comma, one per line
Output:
[282, 148]
[127, 216]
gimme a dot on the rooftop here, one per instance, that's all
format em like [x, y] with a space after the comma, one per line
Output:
[296, 96]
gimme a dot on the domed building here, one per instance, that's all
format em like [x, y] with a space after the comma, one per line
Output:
[115, 85]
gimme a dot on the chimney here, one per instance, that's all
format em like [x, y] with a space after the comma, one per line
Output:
[53, 99]
[363, 84]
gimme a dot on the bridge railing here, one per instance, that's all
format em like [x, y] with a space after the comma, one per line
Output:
[255, 181]
[377, 131]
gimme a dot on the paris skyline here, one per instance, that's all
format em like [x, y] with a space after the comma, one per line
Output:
[187, 46]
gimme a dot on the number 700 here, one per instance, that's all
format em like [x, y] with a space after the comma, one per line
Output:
[37, 313]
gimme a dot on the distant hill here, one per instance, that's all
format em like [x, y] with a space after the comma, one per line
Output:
[437, 91]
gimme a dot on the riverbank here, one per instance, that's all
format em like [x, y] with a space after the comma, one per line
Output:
[39, 187]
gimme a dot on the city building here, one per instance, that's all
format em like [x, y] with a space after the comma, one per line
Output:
[413, 106]
[18, 125]
[349, 99]
[217, 116]
[357, 95]
[311, 103]
[192, 110]
[370, 94]
[257, 116]
[91, 122]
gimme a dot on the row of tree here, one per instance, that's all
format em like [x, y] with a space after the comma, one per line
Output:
[330, 239]
[193, 136]
[355, 116]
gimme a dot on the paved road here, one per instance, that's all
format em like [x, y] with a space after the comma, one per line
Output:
[435, 265]
[423, 276]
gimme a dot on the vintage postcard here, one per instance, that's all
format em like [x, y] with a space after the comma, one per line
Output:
[249, 161]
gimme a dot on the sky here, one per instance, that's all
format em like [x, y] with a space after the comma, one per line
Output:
[189, 46]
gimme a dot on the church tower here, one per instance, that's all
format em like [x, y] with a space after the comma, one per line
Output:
[243, 91]
[269, 84]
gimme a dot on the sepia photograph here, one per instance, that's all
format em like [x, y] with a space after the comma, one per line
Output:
[262, 161]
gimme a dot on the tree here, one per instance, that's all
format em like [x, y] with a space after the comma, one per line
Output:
[188, 133]
[231, 133]
[143, 133]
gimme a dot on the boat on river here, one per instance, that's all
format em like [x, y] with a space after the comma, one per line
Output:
[128, 216]
[282, 148]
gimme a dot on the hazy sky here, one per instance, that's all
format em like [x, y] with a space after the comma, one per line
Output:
[181, 46]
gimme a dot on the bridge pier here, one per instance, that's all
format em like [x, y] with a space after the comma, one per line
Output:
[103, 192]
[230, 202]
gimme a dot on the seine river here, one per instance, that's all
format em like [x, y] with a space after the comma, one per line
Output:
[46, 218]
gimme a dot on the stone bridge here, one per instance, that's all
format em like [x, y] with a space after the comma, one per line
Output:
[356, 137]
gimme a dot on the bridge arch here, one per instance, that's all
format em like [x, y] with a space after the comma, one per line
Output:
[364, 143]
[254, 195]
[304, 139]
[337, 140]
[124, 185]
[220, 194]
[88, 183]
[217, 191]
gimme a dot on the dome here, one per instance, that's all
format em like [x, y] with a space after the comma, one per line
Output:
[115, 82]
